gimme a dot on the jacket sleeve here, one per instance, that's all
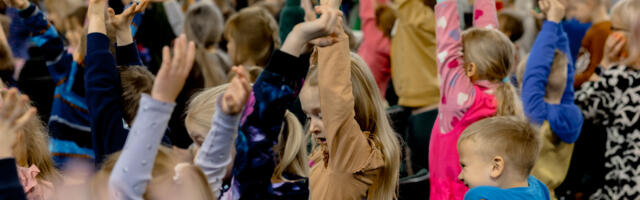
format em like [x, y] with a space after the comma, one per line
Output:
[456, 89]
[46, 37]
[597, 98]
[563, 118]
[132, 171]
[103, 96]
[215, 153]
[276, 88]
[10, 186]
[128, 55]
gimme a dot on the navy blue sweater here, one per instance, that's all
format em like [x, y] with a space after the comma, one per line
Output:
[10, 187]
[565, 118]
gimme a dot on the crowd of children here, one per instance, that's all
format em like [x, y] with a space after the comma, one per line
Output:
[281, 99]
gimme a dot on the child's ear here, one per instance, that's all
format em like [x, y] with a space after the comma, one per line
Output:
[497, 167]
[470, 70]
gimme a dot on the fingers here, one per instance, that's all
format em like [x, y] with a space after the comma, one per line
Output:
[17, 111]
[166, 57]
[142, 6]
[22, 120]
[111, 13]
[191, 55]
[178, 52]
[8, 104]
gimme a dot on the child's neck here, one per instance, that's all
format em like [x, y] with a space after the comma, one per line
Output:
[599, 15]
[513, 180]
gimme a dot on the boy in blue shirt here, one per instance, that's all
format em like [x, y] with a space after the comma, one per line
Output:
[497, 155]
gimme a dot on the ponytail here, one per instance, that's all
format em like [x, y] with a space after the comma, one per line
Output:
[508, 101]
[212, 72]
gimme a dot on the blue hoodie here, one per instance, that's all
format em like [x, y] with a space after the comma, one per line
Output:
[565, 118]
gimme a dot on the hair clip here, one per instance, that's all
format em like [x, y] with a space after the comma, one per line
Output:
[505, 80]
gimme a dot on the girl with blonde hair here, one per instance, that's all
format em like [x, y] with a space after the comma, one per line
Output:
[473, 67]
[608, 101]
[358, 154]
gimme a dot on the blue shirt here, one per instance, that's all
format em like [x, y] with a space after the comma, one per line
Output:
[536, 190]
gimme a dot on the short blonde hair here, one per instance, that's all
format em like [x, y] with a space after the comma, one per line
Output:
[508, 136]
[627, 13]
[134, 81]
[255, 33]
[494, 55]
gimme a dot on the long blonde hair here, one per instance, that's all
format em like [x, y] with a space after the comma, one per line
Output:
[255, 33]
[290, 148]
[164, 172]
[494, 55]
[372, 117]
[32, 148]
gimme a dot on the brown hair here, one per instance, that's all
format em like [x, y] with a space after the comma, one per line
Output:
[135, 80]
[557, 81]
[32, 147]
[509, 136]
[372, 117]
[164, 170]
[255, 33]
[494, 55]
[385, 19]
[203, 25]
[512, 24]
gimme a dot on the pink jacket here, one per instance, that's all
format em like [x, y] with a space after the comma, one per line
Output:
[462, 102]
[375, 48]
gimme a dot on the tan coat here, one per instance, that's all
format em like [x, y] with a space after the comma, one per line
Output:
[351, 163]
[553, 163]
[413, 55]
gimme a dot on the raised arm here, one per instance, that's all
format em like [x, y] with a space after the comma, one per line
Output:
[215, 153]
[455, 85]
[276, 88]
[485, 14]
[45, 37]
[132, 171]
[102, 80]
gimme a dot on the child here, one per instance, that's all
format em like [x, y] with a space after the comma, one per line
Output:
[68, 124]
[496, 162]
[473, 87]
[252, 36]
[113, 92]
[548, 98]
[204, 25]
[413, 56]
[595, 12]
[255, 173]
[358, 156]
[133, 172]
[12, 120]
[610, 102]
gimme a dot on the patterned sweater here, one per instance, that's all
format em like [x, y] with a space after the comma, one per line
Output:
[613, 102]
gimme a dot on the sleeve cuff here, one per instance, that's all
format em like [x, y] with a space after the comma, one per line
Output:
[552, 27]
[9, 170]
[97, 42]
[147, 103]
[287, 65]
[128, 55]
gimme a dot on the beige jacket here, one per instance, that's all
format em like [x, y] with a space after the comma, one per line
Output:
[413, 55]
[351, 162]
[554, 159]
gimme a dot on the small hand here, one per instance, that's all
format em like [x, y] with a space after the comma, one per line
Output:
[12, 118]
[613, 49]
[329, 24]
[174, 70]
[19, 4]
[553, 9]
[123, 20]
[237, 94]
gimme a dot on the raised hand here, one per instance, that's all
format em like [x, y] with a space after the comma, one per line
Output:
[123, 20]
[237, 94]
[19, 4]
[174, 70]
[329, 24]
[12, 119]
[96, 16]
[553, 9]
